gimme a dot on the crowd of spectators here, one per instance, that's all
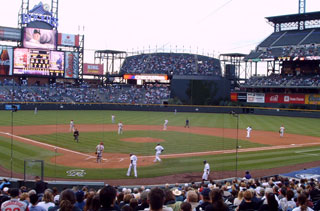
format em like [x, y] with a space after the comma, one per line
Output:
[280, 80]
[310, 50]
[171, 64]
[271, 193]
[147, 94]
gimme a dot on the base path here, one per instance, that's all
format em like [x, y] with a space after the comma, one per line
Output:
[115, 160]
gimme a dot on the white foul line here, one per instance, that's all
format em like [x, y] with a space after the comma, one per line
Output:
[49, 145]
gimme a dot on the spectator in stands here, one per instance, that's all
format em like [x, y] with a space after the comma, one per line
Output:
[107, 198]
[67, 201]
[13, 203]
[205, 197]
[56, 201]
[92, 202]
[170, 199]
[25, 198]
[193, 199]
[217, 202]
[248, 175]
[47, 200]
[272, 203]
[133, 203]
[5, 183]
[302, 200]
[287, 202]
[156, 198]
[80, 199]
[237, 201]
[144, 202]
[247, 202]
[34, 201]
[40, 186]
[4, 195]
[185, 206]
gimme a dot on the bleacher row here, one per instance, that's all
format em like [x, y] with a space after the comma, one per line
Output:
[148, 94]
[171, 64]
[284, 81]
[292, 38]
[269, 193]
[295, 44]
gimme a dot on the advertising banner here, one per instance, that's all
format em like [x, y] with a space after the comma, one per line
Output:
[71, 65]
[6, 58]
[38, 62]
[234, 97]
[39, 38]
[285, 98]
[68, 39]
[92, 69]
[255, 97]
[146, 77]
[12, 34]
[312, 99]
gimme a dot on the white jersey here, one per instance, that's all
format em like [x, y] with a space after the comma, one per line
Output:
[120, 125]
[134, 159]
[282, 129]
[249, 129]
[99, 148]
[113, 118]
[166, 122]
[159, 149]
[206, 167]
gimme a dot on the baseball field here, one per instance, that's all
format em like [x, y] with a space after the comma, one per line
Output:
[212, 137]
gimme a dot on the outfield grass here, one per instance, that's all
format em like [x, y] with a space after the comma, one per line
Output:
[174, 142]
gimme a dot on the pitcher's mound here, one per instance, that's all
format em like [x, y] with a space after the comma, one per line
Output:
[142, 140]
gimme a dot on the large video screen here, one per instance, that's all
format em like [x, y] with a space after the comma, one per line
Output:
[38, 62]
[39, 38]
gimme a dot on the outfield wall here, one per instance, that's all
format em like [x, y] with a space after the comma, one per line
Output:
[170, 108]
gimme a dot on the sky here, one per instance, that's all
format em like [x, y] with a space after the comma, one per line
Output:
[204, 26]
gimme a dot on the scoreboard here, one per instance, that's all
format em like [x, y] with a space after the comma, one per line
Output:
[38, 62]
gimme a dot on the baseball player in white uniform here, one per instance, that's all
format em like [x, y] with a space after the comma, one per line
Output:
[113, 118]
[99, 151]
[165, 125]
[281, 131]
[206, 170]
[133, 164]
[120, 128]
[159, 149]
[249, 129]
[71, 126]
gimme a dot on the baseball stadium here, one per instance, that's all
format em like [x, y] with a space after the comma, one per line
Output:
[57, 110]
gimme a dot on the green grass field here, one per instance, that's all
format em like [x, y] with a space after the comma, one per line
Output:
[174, 142]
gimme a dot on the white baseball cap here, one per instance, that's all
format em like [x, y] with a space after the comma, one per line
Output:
[5, 189]
[56, 198]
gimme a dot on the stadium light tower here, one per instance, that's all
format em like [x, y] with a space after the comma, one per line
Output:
[302, 6]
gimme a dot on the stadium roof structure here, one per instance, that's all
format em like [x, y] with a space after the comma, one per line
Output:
[234, 54]
[294, 17]
[110, 51]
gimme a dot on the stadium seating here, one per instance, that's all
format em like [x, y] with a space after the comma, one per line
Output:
[171, 64]
[284, 81]
[286, 192]
[148, 94]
